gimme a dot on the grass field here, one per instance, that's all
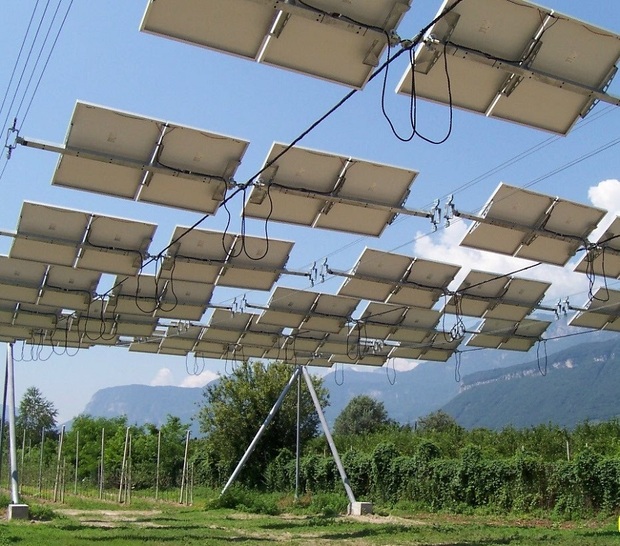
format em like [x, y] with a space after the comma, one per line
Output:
[79, 522]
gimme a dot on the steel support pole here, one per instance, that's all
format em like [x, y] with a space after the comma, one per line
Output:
[328, 436]
[298, 438]
[11, 410]
[261, 430]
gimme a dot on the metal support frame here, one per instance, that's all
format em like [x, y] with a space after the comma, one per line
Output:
[296, 376]
[261, 430]
[591, 93]
[11, 409]
[328, 436]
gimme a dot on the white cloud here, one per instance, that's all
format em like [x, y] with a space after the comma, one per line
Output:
[162, 378]
[606, 195]
[403, 365]
[444, 247]
[199, 380]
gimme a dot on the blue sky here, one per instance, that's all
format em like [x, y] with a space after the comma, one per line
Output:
[101, 57]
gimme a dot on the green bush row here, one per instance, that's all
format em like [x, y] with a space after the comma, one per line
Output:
[523, 483]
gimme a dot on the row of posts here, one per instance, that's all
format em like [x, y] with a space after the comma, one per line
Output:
[125, 482]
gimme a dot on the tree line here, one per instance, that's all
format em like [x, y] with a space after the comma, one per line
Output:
[432, 464]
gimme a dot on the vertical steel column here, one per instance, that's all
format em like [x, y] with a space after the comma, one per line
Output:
[328, 436]
[298, 439]
[11, 409]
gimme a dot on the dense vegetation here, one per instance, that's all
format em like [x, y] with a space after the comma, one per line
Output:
[436, 465]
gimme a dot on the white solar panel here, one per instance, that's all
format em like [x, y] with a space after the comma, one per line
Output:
[255, 263]
[496, 296]
[330, 39]
[522, 223]
[602, 311]
[509, 335]
[426, 282]
[375, 275]
[313, 188]
[514, 60]
[288, 307]
[115, 245]
[196, 255]
[20, 280]
[604, 260]
[69, 288]
[330, 313]
[49, 234]
[108, 151]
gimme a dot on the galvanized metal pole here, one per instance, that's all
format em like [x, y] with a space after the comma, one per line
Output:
[12, 439]
[6, 382]
[298, 439]
[261, 430]
[77, 461]
[328, 436]
[157, 467]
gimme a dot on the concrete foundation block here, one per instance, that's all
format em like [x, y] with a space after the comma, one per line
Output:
[360, 508]
[17, 511]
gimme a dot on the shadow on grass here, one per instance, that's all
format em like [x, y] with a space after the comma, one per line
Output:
[178, 540]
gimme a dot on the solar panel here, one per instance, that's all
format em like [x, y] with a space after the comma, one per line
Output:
[417, 326]
[255, 263]
[330, 313]
[438, 349]
[69, 288]
[30, 318]
[150, 346]
[365, 182]
[604, 260]
[330, 39]
[602, 311]
[509, 335]
[514, 60]
[224, 327]
[313, 188]
[375, 275]
[425, 283]
[49, 234]
[530, 225]
[287, 307]
[20, 280]
[496, 296]
[181, 337]
[115, 245]
[196, 255]
[10, 333]
[108, 151]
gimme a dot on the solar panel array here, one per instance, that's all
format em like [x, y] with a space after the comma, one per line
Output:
[507, 58]
[329, 39]
[515, 61]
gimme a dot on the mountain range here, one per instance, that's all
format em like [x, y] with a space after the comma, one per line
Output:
[564, 381]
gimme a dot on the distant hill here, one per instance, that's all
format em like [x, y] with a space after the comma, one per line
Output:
[489, 378]
[407, 399]
[581, 383]
[145, 404]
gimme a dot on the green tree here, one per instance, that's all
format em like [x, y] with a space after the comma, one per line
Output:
[437, 421]
[35, 416]
[236, 406]
[362, 415]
